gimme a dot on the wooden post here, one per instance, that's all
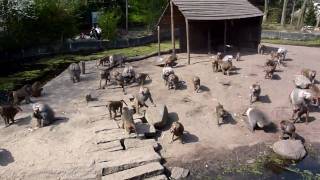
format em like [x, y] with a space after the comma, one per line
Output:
[188, 42]
[209, 40]
[127, 26]
[159, 41]
[225, 36]
[172, 30]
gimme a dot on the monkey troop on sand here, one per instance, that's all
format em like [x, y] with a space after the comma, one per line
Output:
[305, 94]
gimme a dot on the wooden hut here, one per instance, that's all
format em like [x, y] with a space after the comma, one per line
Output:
[205, 25]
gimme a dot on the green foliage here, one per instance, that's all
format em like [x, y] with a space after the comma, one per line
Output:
[311, 17]
[108, 22]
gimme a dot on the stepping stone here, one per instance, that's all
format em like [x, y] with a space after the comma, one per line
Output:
[140, 172]
[137, 143]
[146, 130]
[110, 147]
[160, 177]
[179, 173]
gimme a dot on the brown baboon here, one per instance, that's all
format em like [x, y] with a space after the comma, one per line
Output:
[226, 67]
[74, 71]
[315, 92]
[256, 118]
[43, 114]
[215, 65]
[118, 78]
[255, 91]
[270, 62]
[141, 77]
[261, 49]
[103, 61]
[113, 106]
[177, 130]
[219, 56]
[173, 81]
[36, 89]
[288, 130]
[238, 56]
[140, 99]
[221, 114]
[89, 98]
[166, 71]
[127, 121]
[8, 112]
[117, 59]
[171, 60]
[269, 70]
[104, 75]
[196, 83]
[274, 55]
[300, 111]
[22, 94]
[310, 74]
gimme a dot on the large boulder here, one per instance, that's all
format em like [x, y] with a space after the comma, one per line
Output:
[302, 82]
[290, 149]
[179, 173]
[157, 116]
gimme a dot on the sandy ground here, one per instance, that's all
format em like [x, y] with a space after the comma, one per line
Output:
[63, 150]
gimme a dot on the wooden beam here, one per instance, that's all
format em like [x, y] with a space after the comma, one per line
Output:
[225, 36]
[127, 14]
[172, 30]
[159, 50]
[209, 40]
[188, 40]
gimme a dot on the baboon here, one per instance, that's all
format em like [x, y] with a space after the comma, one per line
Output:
[139, 100]
[74, 71]
[238, 56]
[43, 114]
[299, 99]
[22, 94]
[196, 83]
[274, 55]
[215, 65]
[8, 112]
[173, 81]
[261, 49]
[113, 106]
[310, 74]
[120, 81]
[177, 130]
[141, 77]
[166, 71]
[219, 56]
[89, 98]
[300, 111]
[270, 62]
[221, 114]
[129, 74]
[288, 130]
[171, 60]
[256, 118]
[269, 70]
[281, 55]
[127, 121]
[315, 92]
[104, 75]
[36, 89]
[116, 60]
[255, 91]
[103, 61]
[225, 66]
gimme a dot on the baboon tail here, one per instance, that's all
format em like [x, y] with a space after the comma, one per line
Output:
[124, 102]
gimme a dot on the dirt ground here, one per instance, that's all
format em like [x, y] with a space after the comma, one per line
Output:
[63, 150]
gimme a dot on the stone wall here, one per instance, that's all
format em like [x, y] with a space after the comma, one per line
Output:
[298, 36]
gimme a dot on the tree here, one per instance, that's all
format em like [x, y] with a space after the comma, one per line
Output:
[108, 21]
[266, 9]
[284, 12]
[311, 18]
[292, 12]
[302, 14]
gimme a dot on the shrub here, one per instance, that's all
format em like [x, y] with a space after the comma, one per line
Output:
[108, 22]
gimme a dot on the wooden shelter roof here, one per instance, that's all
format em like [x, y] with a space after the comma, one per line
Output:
[217, 9]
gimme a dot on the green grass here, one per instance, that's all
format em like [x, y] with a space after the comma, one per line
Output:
[311, 43]
[58, 63]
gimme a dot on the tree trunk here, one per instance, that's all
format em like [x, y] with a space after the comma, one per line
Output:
[318, 21]
[284, 12]
[266, 9]
[292, 13]
[302, 14]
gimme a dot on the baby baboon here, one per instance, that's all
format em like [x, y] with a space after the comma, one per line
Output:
[256, 118]
[74, 71]
[225, 66]
[36, 89]
[113, 106]
[177, 130]
[104, 75]
[310, 74]
[238, 56]
[171, 60]
[140, 99]
[221, 114]
[166, 71]
[255, 91]
[141, 77]
[127, 121]
[269, 70]
[173, 81]
[196, 83]
[261, 48]
[288, 130]
[22, 94]
[8, 112]
[43, 114]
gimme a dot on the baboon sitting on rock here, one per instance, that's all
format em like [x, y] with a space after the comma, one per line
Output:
[8, 112]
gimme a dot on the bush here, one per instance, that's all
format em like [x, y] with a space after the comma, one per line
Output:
[311, 17]
[108, 22]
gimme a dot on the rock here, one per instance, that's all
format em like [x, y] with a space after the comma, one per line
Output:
[302, 81]
[290, 149]
[146, 130]
[137, 143]
[160, 177]
[157, 116]
[179, 173]
[140, 172]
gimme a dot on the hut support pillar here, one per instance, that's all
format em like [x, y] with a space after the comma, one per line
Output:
[225, 36]
[172, 30]
[209, 40]
[159, 50]
[188, 40]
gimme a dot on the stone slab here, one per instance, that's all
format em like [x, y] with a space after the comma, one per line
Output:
[160, 177]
